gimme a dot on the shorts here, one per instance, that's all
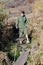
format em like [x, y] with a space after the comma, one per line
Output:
[22, 31]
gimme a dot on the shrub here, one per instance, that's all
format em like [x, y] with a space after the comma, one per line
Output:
[3, 16]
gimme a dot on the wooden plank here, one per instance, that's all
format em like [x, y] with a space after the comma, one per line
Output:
[23, 57]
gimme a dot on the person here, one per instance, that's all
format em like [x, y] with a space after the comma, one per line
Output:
[21, 24]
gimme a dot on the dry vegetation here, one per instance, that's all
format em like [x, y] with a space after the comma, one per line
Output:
[35, 23]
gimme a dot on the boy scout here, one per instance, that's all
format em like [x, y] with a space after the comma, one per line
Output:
[21, 24]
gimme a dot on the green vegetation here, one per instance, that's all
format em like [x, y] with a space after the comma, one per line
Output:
[5, 33]
[29, 60]
[3, 16]
[13, 52]
[17, 53]
[34, 26]
[29, 46]
[41, 53]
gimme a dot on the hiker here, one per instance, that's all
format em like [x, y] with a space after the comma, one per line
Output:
[21, 24]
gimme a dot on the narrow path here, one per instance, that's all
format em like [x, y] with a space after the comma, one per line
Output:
[23, 57]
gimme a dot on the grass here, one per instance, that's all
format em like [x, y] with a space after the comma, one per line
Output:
[29, 46]
[29, 60]
[41, 53]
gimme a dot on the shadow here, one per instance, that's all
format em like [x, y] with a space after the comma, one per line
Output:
[25, 63]
[4, 62]
[10, 56]
[15, 33]
[30, 36]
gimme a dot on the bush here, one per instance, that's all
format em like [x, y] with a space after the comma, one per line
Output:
[13, 52]
[11, 56]
[3, 16]
[17, 55]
